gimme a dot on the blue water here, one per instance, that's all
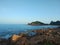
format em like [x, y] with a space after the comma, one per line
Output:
[6, 30]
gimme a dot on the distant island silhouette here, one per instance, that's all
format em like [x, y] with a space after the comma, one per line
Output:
[41, 23]
[36, 23]
[55, 23]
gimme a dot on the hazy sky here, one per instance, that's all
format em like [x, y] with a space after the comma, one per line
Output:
[24, 11]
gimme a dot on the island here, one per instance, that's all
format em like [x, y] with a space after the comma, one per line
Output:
[35, 23]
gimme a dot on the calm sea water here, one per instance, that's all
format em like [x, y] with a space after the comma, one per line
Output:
[6, 30]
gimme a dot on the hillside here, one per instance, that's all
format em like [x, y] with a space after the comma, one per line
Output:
[36, 23]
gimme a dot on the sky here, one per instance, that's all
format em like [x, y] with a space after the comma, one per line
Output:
[25, 11]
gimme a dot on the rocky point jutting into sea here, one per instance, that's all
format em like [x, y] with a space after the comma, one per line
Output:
[41, 37]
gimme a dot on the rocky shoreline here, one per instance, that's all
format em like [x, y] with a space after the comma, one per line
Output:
[40, 37]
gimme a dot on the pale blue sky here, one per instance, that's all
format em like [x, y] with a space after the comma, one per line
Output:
[24, 11]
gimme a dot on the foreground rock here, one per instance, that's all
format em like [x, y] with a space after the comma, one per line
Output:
[3, 41]
[42, 37]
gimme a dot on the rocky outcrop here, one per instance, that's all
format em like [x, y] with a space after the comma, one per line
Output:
[14, 38]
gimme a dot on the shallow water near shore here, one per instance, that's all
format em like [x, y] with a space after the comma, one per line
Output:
[6, 30]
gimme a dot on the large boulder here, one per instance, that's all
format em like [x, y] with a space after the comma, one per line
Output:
[15, 37]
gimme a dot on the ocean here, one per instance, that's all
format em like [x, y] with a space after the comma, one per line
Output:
[7, 30]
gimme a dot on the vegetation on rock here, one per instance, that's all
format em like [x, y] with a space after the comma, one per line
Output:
[36, 23]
